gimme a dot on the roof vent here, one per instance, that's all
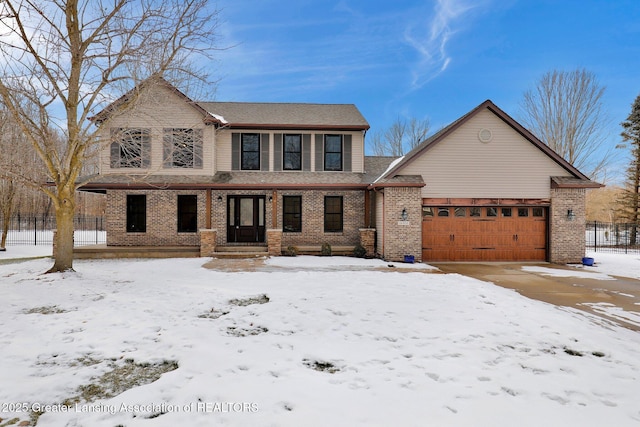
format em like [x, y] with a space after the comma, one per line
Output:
[485, 135]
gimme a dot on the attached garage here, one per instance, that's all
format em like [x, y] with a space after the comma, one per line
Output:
[484, 233]
[482, 189]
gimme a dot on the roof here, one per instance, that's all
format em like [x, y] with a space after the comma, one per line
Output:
[287, 115]
[579, 179]
[256, 115]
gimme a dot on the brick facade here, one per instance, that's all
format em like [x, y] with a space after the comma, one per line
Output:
[567, 237]
[313, 218]
[402, 237]
[162, 219]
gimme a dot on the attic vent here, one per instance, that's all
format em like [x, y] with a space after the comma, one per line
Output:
[485, 135]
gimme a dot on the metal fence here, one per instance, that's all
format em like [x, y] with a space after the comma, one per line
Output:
[612, 237]
[38, 230]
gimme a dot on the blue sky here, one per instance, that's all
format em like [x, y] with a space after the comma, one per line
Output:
[424, 59]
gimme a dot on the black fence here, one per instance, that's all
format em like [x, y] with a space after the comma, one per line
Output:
[38, 230]
[612, 237]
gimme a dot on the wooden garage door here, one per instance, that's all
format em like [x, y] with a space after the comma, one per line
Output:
[466, 233]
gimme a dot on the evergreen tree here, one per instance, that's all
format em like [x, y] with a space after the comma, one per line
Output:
[631, 196]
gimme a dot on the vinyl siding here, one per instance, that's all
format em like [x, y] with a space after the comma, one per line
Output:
[158, 109]
[461, 166]
[223, 148]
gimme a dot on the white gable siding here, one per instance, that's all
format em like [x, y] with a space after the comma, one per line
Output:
[160, 108]
[461, 166]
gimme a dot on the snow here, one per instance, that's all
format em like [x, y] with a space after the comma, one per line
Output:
[411, 348]
[555, 272]
[625, 265]
[219, 118]
[391, 166]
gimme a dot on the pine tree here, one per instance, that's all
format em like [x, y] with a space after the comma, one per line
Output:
[631, 197]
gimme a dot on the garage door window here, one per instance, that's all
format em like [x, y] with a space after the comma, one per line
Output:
[506, 212]
[538, 212]
[443, 211]
[523, 212]
[492, 211]
[427, 212]
[474, 211]
[460, 212]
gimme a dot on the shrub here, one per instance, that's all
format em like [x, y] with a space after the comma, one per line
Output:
[291, 251]
[326, 249]
[359, 251]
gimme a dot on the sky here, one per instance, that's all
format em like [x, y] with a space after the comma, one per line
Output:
[428, 59]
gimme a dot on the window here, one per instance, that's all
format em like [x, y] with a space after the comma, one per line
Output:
[333, 152]
[250, 147]
[443, 211]
[460, 212]
[506, 212]
[427, 211]
[522, 212]
[474, 211]
[538, 212]
[292, 152]
[136, 213]
[183, 148]
[332, 214]
[187, 213]
[492, 211]
[130, 148]
[291, 214]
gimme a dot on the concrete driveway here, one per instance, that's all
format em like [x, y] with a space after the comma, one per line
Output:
[605, 298]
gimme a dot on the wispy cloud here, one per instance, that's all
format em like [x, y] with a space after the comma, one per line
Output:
[430, 39]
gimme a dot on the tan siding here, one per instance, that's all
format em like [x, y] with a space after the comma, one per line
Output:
[159, 109]
[508, 166]
[357, 142]
[223, 150]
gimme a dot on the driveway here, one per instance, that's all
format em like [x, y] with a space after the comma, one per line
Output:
[605, 298]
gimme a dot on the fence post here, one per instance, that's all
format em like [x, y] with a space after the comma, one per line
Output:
[595, 236]
[96, 230]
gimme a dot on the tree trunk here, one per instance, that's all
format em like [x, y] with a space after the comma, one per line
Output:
[65, 210]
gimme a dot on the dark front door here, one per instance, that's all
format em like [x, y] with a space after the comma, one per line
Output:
[245, 219]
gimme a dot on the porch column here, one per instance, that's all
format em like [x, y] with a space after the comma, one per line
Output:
[274, 242]
[208, 242]
[368, 240]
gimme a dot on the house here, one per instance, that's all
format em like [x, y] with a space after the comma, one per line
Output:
[212, 175]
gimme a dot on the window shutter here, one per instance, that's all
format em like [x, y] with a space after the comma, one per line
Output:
[306, 152]
[346, 153]
[197, 148]
[146, 152]
[277, 152]
[167, 148]
[115, 154]
[319, 152]
[264, 152]
[235, 151]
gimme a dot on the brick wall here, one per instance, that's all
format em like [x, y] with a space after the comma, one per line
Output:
[162, 219]
[567, 243]
[313, 218]
[402, 237]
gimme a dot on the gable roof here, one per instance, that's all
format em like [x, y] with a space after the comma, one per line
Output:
[257, 115]
[153, 80]
[579, 180]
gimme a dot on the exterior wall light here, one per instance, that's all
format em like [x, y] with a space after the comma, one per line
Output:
[404, 215]
[570, 215]
[219, 198]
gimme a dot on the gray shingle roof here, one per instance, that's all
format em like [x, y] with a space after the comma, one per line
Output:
[291, 115]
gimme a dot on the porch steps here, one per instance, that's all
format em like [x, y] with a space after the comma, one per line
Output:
[239, 252]
[104, 251]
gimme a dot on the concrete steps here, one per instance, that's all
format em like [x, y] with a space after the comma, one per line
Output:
[240, 252]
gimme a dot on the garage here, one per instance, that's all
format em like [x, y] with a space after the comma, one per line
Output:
[484, 233]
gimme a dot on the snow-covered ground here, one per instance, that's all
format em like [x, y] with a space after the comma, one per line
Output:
[356, 345]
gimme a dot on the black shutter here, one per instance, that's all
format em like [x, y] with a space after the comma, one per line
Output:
[115, 154]
[306, 152]
[235, 151]
[264, 152]
[146, 150]
[319, 152]
[346, 153]
[167, 158]
[277, 152]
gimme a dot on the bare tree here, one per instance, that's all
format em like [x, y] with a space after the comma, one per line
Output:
[400, 138]
[62, 60]
[565, 110]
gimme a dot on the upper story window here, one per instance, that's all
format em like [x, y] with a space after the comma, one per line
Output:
[333, 152]
[250, 148]
[183, 148]
[292, 152]
[130, 148]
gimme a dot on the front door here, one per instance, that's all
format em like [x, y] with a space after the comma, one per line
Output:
[245, 219]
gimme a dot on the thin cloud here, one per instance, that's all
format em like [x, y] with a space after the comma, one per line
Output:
[430, 39]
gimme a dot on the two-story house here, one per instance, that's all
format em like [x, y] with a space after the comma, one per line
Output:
[208, 175]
